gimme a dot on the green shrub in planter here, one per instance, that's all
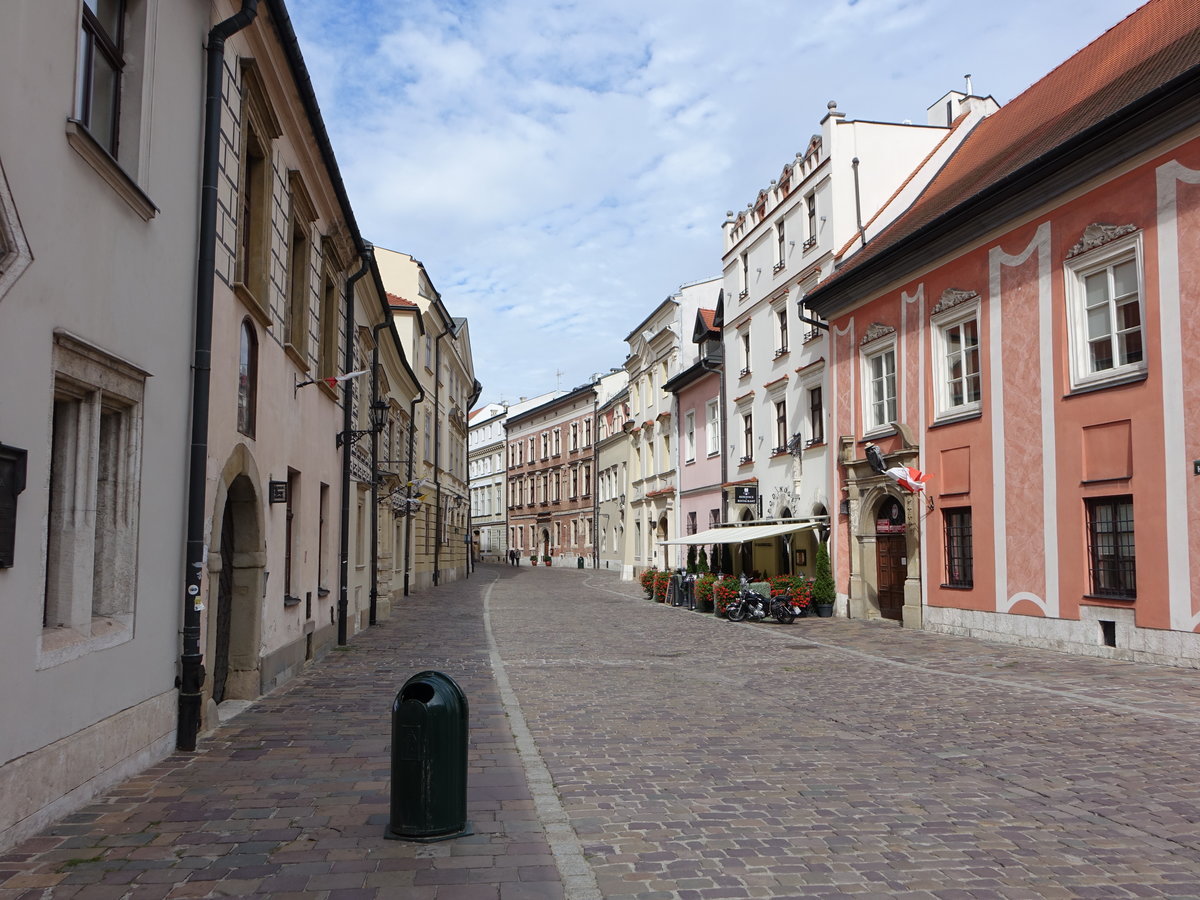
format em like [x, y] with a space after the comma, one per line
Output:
[824, 588]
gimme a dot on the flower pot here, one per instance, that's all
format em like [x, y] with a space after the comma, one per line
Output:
[824, 610]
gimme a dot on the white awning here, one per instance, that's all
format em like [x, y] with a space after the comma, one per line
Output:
[739, 534]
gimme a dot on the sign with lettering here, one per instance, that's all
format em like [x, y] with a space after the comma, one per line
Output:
[745, 493]
[12, 482]
[277, 491]
[890, 518]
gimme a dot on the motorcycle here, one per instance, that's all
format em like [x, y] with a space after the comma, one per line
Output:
[751, 605]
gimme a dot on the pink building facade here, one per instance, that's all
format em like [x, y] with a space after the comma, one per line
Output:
[1023, 336]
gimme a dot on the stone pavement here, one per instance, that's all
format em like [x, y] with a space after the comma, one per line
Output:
[624, 749]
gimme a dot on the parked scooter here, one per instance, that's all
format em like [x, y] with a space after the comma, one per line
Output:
[753, 606]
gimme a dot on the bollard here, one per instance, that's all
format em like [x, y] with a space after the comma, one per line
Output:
[429, 760]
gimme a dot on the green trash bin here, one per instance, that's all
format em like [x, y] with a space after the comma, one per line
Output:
[429, 760]
[579, 562]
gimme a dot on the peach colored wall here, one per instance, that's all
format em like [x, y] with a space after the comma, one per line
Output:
[1028, 504]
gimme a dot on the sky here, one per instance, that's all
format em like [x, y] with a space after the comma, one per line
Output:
[562, 167]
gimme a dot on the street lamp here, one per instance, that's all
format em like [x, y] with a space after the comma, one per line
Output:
[379, 418]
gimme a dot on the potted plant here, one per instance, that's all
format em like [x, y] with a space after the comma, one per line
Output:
[546, 560]
[661, 580]
[533, 559]
[797, 587]
[646, 579]
[704, 592]
[824, 589]
[725, 591]
[691, 559]
[702, 561]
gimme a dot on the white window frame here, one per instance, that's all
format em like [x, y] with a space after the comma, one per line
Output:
[944, 410]
[689, 435]
[871, 352]
[712, 427]
[1075, 271]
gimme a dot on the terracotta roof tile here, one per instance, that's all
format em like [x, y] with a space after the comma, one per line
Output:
[1149, 48]
[397, 300]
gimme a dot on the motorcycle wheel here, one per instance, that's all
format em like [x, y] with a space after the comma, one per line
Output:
[784, 615]
[736, 611]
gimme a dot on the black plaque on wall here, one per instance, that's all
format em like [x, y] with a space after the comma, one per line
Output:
[12, 482]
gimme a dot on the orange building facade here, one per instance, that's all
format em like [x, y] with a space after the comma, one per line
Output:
[1028, 335]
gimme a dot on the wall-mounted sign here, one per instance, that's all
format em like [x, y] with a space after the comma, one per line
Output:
[890, 519]
[745, 493]
[12, 482]
[277, 491]
[1196, 466]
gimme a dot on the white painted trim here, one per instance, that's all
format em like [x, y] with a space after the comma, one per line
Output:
[997, 258]
[922, 430]
[1179, 578]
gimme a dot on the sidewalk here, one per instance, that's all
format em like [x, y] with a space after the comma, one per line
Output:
[291, 798]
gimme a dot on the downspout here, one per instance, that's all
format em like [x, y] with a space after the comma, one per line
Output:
[409, 512]
[708, 366]
[469, 540]
[862, 236]
[437, 451]
[191, 668]
[374, 607]
[594, 484]
[364, 254]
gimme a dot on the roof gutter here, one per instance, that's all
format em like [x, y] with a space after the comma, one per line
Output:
[1151, 119]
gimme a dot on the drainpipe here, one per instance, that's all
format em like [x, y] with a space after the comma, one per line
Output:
[862, 236]
[364, 254]
[437, 450]
[373, 614]
[191, 668]
[409, 512]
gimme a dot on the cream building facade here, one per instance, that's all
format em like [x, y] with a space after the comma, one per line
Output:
[95, 356]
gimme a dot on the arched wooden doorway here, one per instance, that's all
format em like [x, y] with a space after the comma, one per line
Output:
[891, 562]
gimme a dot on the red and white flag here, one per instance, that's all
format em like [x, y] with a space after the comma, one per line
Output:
[912, 480]
[333, 380]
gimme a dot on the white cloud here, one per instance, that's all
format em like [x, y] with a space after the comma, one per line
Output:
[560, 167]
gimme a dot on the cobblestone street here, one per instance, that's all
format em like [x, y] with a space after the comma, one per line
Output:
[624, 749]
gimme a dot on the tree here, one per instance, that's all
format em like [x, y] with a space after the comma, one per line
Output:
[702, 561]
[824, 587]
[691, 559]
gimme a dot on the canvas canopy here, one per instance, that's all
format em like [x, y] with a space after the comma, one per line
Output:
[739, 534]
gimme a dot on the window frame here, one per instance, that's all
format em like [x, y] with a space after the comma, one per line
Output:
[1075, 271]
[871, 352]
[95, 37]
[958, 548]
[689, 435]
[712, 426]
[944, 410]
[247, 390]
[1126, 565]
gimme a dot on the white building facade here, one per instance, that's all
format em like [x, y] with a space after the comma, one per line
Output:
[486, 468]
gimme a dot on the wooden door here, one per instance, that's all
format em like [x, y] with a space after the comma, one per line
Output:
[220, 670]
[891, 567]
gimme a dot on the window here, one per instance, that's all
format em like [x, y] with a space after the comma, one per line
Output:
[691, 523]
[247, 393]
[712, 426]
[586, 486]
[1104, 287]
[747, 437]
[1110, 547]
[781, 330]
[816, 416]
[330, 325]
[557, 441]
[662, 383]
[689, 435]
[959, 383]
[781, 245]
[295, 325]
[959, 565]
[781, 426]
[259, 128]
[745, 339]
[428, 434]
[881, 388]
[810, 203]
[745, 275]
[574, 436]
[545, 445]
[95, 478]
[587, 432]
[101, 65]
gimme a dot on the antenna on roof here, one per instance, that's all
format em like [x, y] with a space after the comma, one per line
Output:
[969, 91]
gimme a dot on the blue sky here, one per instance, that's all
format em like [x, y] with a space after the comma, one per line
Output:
[561, 167]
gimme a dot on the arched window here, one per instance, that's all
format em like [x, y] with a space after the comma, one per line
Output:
[247, 379]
